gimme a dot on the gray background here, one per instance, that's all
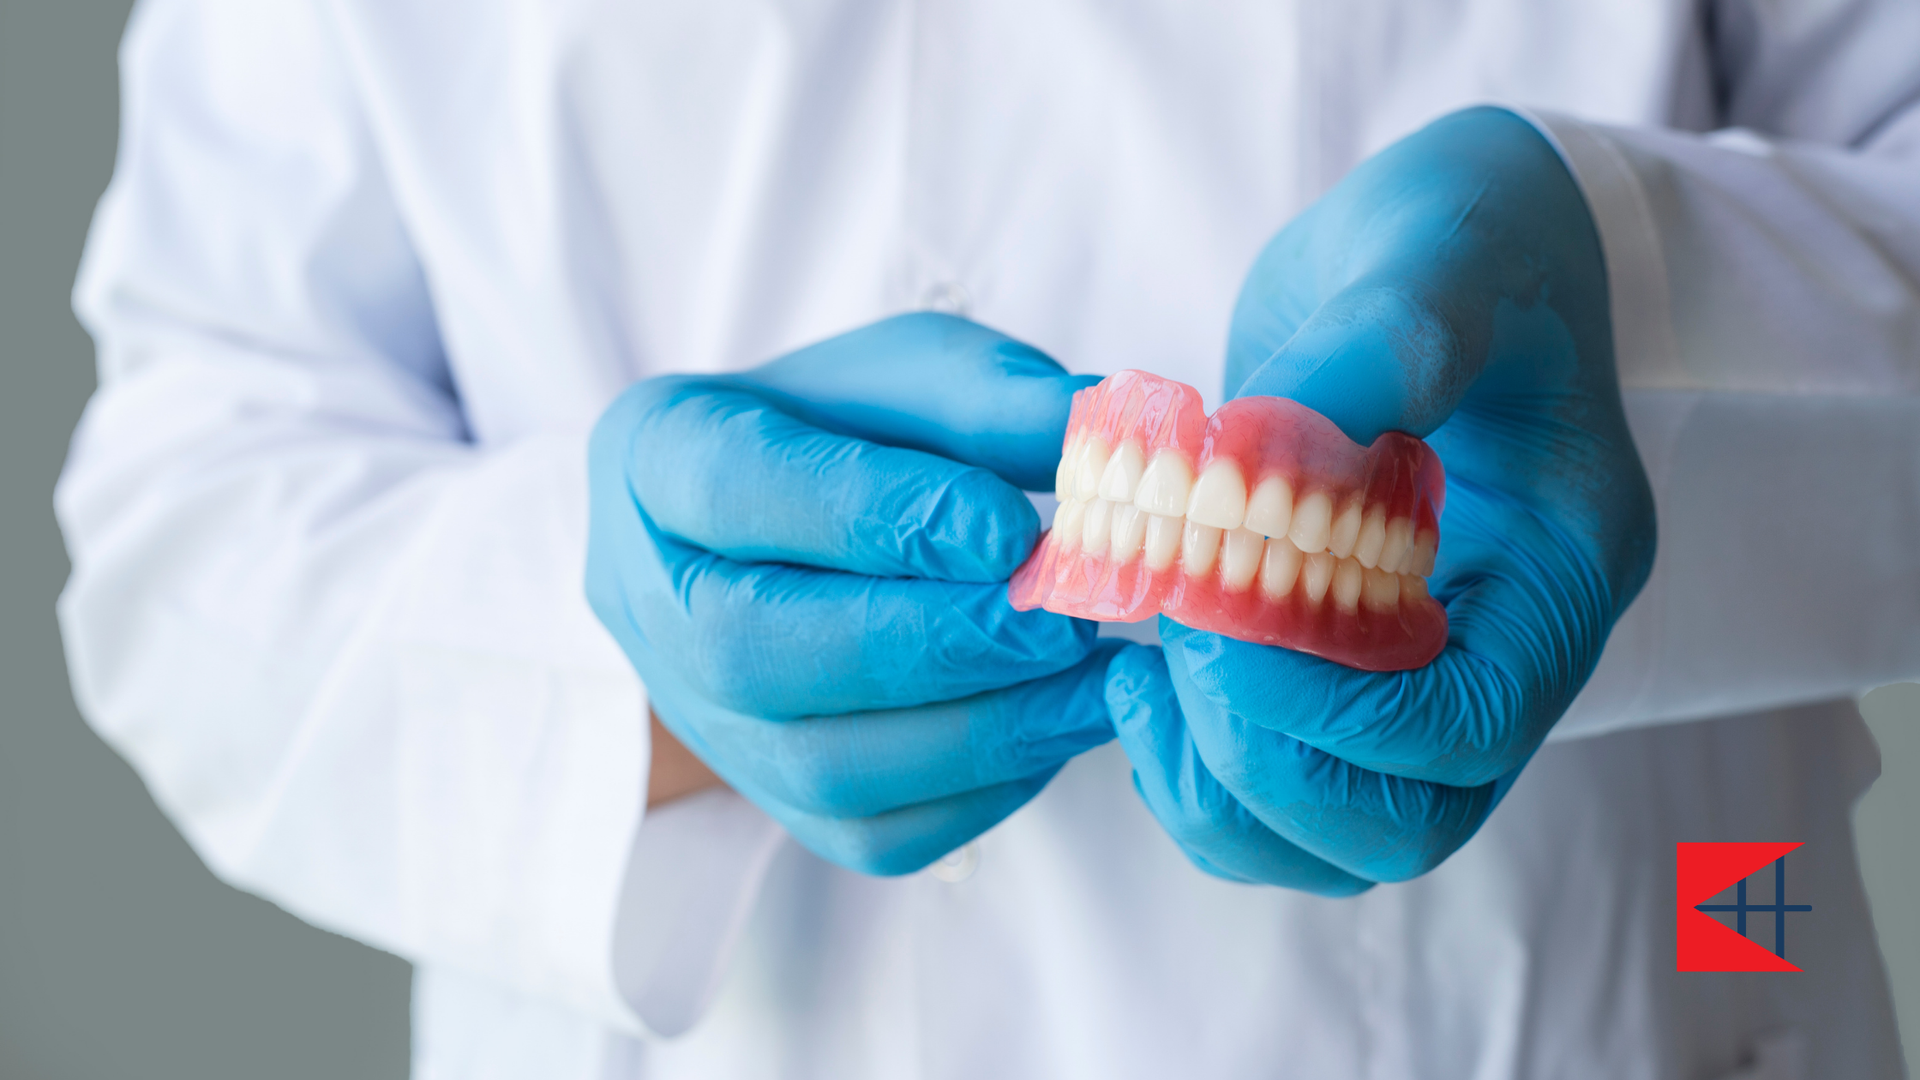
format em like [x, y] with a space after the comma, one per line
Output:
[120, 955]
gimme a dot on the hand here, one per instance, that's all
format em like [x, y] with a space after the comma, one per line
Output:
[806, 564]
[1451, 287]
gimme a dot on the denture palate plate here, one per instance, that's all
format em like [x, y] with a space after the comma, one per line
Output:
[1262, 522]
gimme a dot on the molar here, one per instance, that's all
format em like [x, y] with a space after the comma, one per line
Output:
[1421, 557]
[1346, 530]
[1316, 573]
[1381, 590]
[1163, 540]
[1279, 567]
[1347, 577]
[1413, 588]
[1099, 522]
[1066, 525]
[1093, 462]
[1165, 486]
[1270, 507]
[1240, 558]
[1063, 476]
[1129, 531]
[1122, 477]
[1199, 545]
[1312, 523]
[1373, 537]
[1219, 497]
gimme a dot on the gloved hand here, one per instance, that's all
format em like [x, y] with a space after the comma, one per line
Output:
[1451, 287]
[806, 564]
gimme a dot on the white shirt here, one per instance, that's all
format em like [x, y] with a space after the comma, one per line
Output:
[368, 271]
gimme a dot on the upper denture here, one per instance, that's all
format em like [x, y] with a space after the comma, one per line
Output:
[1263, 522]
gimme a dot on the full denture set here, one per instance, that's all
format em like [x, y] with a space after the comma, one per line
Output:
[1263, 522]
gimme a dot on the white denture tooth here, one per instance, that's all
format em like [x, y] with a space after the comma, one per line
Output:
[1165, 486]
[1098, 529]
[1412, 587]
[1316, 573]
[1381, 590]
[1424, 547]
[1093, 462]
[1312, 522]
[1122, 477]
[1219, 497]
[1162, 539]
[1279, 568]
[1066, 525]
[1346, 531]
[1199, 548]
[1270, 507]
[1398, 541]
[1240, 558]
[1129, 531]
[1063, 477]
[1373, 537]
[1347, 578]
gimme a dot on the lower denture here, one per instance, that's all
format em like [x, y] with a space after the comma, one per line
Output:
[1263, 522]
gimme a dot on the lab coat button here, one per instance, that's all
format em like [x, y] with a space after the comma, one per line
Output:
[957, 866]
[948, 297]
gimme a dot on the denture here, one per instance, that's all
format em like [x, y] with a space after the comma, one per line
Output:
[1263, 522]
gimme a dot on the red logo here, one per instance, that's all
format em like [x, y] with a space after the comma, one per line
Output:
[1707, 944]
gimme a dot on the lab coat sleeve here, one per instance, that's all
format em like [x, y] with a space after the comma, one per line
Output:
[1765, 282]
[344, 643]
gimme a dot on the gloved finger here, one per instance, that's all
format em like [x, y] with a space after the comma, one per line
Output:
[719, 464]
[910, 838]
[1370, 824]
[1214, 829]
[937, 383]
[866, 763]
[772, 641]
[1524, 627]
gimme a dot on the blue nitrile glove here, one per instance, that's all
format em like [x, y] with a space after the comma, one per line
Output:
[806, 564]
[1451, 287]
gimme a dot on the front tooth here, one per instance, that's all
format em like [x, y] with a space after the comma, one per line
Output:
[1312, 522]
[1199, 544]
[1163, 540]
[1424, 546]
[1165, 486]
[1240, 558]
[1066, 525]
[1373, 537]
[1270, 507]
[1093, 462]
[1219, 497]
[1381, 590]
[1279, 568]
[1399, 539]
[1122, 477]
[1063, 476]
[1413, 587]
[1099, 522]
[1347, 576]
[1129, 531]
[1346, 530]
[1316, 573]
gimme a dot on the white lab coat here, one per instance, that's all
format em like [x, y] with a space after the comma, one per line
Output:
[368, 271]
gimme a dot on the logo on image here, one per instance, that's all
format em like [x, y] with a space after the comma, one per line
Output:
[1703, 942]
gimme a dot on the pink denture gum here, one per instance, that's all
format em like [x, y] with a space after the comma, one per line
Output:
[1263, 522]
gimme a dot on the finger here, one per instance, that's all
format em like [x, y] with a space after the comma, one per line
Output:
[775, 641]
[721, 466]
[941, 384]
[1370, 824]
[1211, 827]
[1524, 628]
[866, 763]
[912, 837]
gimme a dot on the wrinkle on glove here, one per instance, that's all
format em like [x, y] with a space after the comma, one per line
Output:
[806, 565]
[1452, 288]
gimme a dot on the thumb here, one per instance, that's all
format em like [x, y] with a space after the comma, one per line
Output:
[1382, 354]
